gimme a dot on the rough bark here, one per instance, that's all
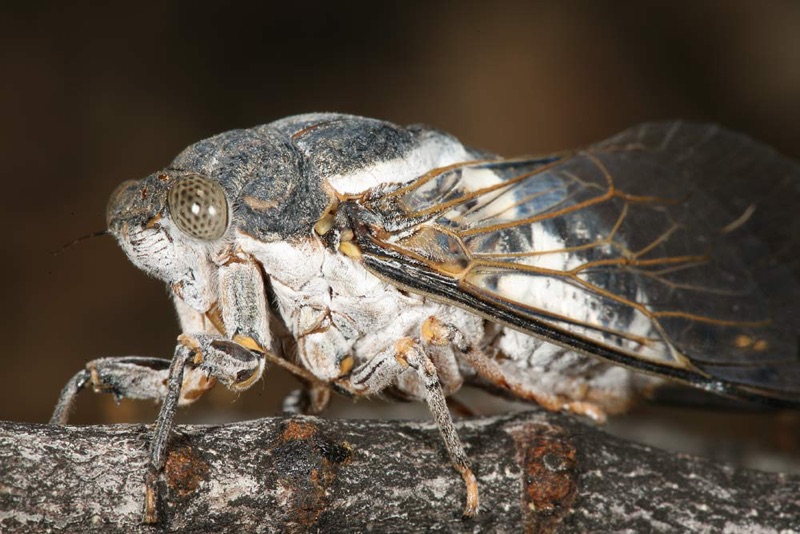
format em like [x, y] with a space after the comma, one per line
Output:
[536, 471]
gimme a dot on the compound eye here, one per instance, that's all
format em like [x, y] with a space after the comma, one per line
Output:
[199, 207]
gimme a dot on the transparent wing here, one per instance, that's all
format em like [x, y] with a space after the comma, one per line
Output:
[671, 248]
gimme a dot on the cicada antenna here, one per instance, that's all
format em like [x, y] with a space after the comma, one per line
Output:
[99, 233]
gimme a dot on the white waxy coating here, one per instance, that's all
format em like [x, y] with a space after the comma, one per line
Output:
[433, 152]
[361, 314]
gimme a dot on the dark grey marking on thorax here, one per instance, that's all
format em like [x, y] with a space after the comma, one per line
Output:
[274, 174]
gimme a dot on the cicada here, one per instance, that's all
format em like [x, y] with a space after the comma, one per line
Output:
[369, 258]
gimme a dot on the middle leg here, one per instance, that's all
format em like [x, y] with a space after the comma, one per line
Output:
[382, 371]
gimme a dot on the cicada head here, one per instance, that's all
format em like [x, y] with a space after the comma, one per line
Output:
[181, 223]
[170, 225]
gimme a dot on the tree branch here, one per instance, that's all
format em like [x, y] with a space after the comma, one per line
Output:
[537, 472]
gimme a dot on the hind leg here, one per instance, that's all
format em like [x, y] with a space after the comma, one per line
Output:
[439, 333]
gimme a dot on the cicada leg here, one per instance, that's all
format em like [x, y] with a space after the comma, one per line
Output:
[381, 371]
[438, 333]
[233, 365]
[198, 363]
[310, 400]
[130, 377]
[166, 418]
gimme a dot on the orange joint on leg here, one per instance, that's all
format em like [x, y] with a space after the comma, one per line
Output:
[195, 385]
[324, 225]
[192, 344]
[189, 342]
[94, 378]
[150, 516]
[473, 501]
[249, 343]
[435, 332]
[348, 248]
[401, 350]
[346, 365]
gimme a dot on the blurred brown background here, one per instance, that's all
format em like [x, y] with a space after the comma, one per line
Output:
[92, 95]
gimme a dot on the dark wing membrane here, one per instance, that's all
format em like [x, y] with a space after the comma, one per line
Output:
[670, 248]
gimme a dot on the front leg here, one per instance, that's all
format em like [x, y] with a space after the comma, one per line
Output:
[199, 362]
[384, 369]
[233, 365]
[143, 378]
[220, 343]
[230, 344]
[130, 377]
[235, 358]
